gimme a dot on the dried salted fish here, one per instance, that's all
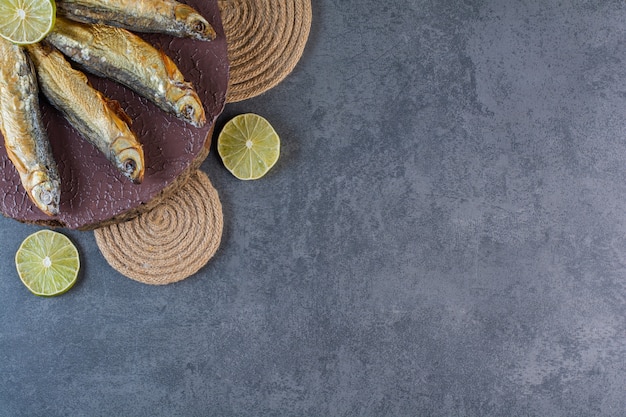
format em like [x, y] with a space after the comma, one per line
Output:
[25, 138]
[155, 16]
[118, 54]
[100, 121]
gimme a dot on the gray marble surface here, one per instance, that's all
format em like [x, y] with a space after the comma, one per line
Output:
[444, 235]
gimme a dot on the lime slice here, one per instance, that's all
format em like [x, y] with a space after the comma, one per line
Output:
[47, 263]
[248, 146]
[26, 21]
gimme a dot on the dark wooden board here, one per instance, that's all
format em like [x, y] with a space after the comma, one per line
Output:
[93, 193]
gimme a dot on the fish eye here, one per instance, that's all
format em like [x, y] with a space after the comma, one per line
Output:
[46, 197]
[188, 111]
[199, 26]
[130, 166]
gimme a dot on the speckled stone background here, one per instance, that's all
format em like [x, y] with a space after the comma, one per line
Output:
[444, 235]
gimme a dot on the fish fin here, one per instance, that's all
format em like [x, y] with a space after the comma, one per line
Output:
[182, 12]
[17, 162]
[116, 108]
[173, 72]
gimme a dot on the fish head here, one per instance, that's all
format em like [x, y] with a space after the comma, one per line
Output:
[197, 25]
[180, 95]
[45, 193]
[128, 157]
[189, 107]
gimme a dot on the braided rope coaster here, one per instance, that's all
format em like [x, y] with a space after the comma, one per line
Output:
[172, 241]
[265, 40]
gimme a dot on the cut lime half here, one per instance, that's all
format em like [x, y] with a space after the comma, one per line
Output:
[26, 21]
[47, 263]
[249, 146]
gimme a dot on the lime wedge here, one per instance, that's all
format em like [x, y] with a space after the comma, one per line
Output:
[26, 21]
[47, 263]
[249, 146]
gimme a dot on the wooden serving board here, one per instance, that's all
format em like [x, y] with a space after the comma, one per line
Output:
[93, 193]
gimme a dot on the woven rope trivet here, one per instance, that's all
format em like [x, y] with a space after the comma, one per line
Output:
[172, 241]
[265, 40]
